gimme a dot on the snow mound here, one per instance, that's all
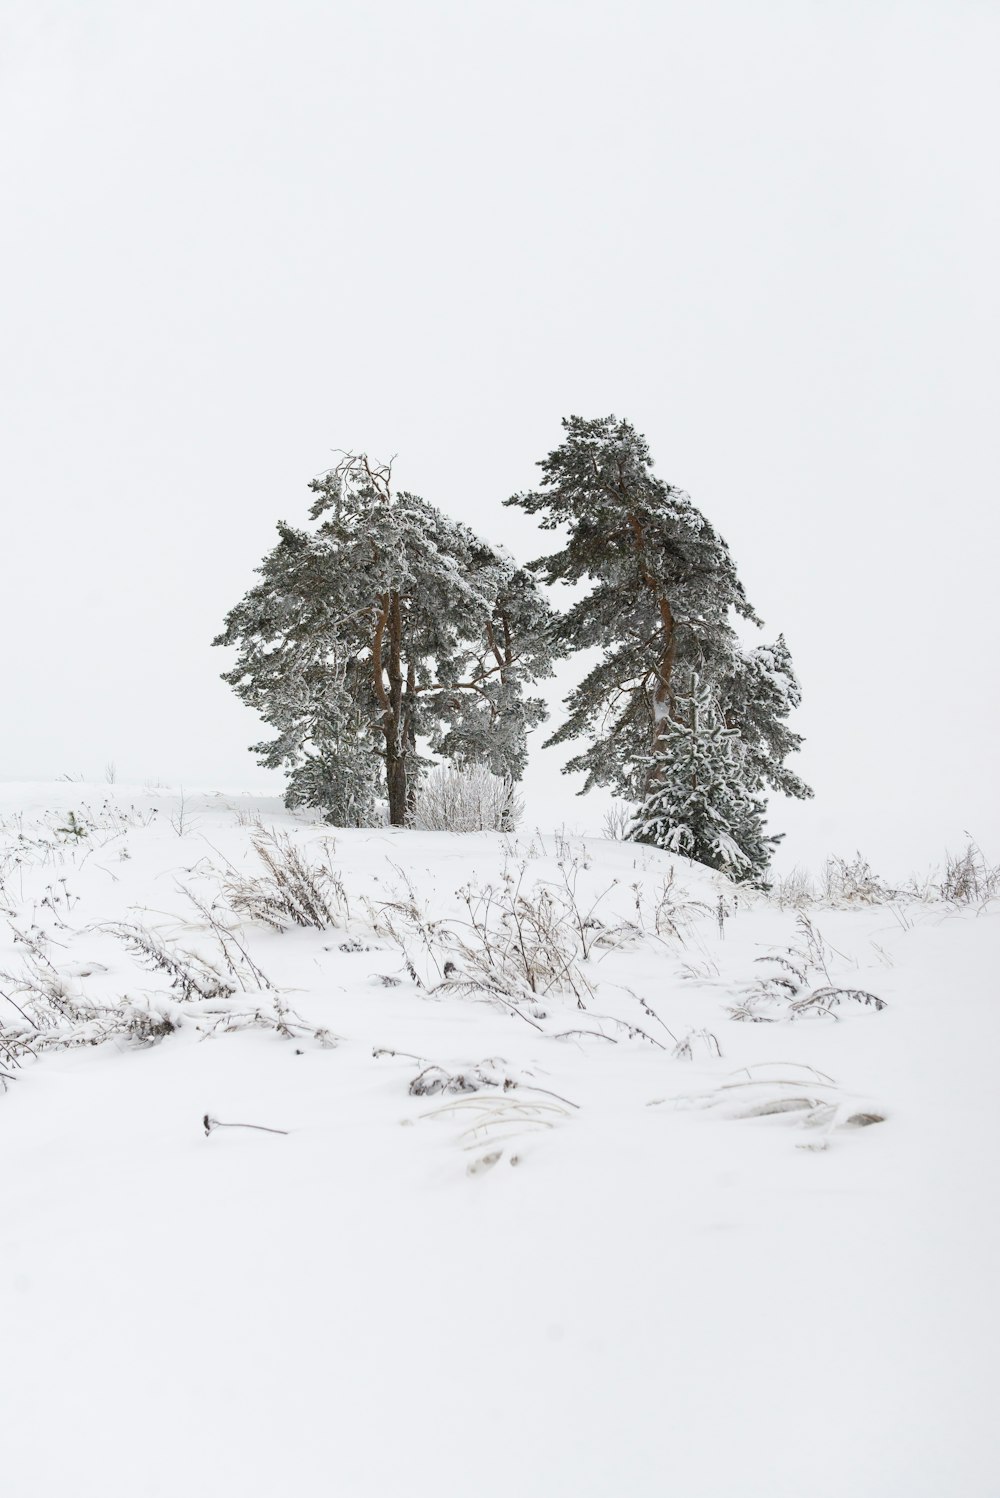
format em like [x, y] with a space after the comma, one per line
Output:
[335, 1161]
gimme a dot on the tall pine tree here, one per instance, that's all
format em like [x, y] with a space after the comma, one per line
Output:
[662, 612]
[386, 625]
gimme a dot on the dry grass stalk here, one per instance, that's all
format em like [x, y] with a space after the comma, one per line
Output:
[291, 892]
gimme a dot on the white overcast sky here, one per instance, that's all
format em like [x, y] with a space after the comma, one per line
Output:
[238, 234]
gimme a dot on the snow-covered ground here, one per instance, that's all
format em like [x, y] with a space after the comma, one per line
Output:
[654, 1248]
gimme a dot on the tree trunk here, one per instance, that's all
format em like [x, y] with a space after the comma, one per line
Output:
[409, 736]
[396, 747]
[387, 661]
[395, 775]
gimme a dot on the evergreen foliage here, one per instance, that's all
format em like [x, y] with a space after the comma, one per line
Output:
[384, 625]
[662, 611]
[697, 801]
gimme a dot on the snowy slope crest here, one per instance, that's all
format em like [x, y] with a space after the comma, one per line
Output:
[367, 1126]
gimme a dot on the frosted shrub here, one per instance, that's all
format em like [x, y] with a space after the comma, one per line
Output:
[968, 878]
[291, 891]
[617, 820]
[794, 888]
[471, 799]
[854, 882]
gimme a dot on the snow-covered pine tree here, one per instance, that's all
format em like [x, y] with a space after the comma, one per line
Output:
[662, 610]
[386, 624]
[697, 800]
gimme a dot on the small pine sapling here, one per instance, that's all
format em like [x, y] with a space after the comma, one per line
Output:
[697, 802]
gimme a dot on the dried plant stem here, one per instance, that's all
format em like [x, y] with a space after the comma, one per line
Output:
[216, 1123]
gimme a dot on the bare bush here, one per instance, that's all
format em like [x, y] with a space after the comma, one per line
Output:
[520, 941]
[466, 799]
[223, 992]
[591, 930]
[854, 882]
[793, 889]
[51, 1012]
[788, 988]
[671, 909]
[514, 945]
[617, 819]
[213, 990]
[291, 891]
[191, 975]
[968, 879]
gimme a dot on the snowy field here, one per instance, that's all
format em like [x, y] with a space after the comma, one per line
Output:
[709, 1211]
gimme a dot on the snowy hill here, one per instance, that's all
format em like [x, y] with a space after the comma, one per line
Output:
[572, 1170]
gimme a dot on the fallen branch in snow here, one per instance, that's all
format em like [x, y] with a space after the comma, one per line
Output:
[216, 1123]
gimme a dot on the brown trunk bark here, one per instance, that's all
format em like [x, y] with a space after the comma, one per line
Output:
[395, 776]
